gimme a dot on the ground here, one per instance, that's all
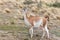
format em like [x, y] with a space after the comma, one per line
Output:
[21, 33]
[12, 23]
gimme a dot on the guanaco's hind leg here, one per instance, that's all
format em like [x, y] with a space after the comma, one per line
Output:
[45, 30]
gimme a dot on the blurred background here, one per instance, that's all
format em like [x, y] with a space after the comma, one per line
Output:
[12, 25]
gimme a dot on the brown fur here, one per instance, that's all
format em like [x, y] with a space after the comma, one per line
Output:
[47, 17]
[31, 19]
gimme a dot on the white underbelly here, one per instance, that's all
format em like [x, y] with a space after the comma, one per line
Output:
[38, 23]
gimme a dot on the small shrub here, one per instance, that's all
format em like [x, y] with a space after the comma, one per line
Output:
[26, 39]
[39, 5]
[28, 2]
[56, 4]
[21, 18]
[12, 22]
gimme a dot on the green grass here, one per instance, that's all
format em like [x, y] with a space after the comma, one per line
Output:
[24, 29]
[13, 28]
[56, 32]
[56, 4]
[28, 2]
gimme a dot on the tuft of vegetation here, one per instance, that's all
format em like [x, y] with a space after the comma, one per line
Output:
[13, 28]
[56, 32]
[28, 2]
[39, 5]
[56, 4]
[26, 39]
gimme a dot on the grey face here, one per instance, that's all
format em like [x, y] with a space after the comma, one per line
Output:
[24, 11]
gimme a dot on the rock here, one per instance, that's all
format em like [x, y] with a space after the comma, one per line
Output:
[7, 10]
[58, 17]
